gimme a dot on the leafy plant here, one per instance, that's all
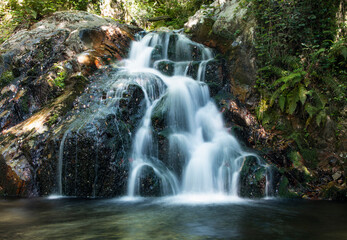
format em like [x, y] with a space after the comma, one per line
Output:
[59, 81]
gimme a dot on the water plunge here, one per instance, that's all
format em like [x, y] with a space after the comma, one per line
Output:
[181, 146]
[208, 159]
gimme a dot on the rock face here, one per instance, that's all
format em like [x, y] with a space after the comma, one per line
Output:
[40, 61]
[229, 27]
[42, 72]
[253, 179]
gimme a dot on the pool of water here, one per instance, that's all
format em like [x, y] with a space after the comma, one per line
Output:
[171, 218]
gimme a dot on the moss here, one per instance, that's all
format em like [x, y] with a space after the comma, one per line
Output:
[6, 78]
[295, 158]
[59, 81]
[160, 110]
[223, 95]
[53, 119]
[298, 164]
[283, 190]
[33, 71]
[259, 175]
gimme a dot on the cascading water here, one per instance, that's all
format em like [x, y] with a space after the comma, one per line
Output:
[212, 157]
[201, 156]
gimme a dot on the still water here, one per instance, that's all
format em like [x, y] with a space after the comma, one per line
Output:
[165, 218]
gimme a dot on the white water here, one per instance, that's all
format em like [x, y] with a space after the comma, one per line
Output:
[203, 160]
[212, 157]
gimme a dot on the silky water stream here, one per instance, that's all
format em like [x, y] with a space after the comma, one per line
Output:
[203, 160]
[209, 158]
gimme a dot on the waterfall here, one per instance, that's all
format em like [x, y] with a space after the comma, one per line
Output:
[212, 157]
[60, 164]
[190, 152]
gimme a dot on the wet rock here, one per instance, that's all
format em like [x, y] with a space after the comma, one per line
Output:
[166, 67]
[95, 153]
[42, 58]
[95, 160]
[51, 64]
[150, 184]
[131, 107]
[216, 77]
[15, 173]
[229, 28]
[252, 179]
[336, 175]
[157, 53]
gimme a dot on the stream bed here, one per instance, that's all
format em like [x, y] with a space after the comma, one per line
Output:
[171, 218]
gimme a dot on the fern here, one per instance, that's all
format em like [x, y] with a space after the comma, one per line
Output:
[321, 117]
[302, 93]
[292, 99]
[282, 102]
[292, 78]
[291, 91]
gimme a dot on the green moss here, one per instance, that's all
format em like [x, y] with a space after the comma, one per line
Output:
[260, 174]
[160, 110]
[283, 190]
[295, 158]
[53, 119]
[223, 95]
[6, 78]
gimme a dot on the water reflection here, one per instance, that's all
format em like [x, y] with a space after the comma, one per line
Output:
[148, 218]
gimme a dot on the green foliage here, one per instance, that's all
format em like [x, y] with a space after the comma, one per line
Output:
[6, 78]
[59, 81]
[310, 156]
[283, 189]
[302, 67]
[177, 10]
[53, 119]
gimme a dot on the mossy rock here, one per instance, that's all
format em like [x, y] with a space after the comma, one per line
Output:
[166, 67]
[283, 189]
[6, 78]
[252, 179]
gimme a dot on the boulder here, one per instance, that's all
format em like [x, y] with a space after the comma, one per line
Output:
[229, 27]
[38, 62]
[43, 71]
[252, 178]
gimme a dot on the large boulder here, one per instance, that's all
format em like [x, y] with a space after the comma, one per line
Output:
[38, 62]
[229, 27]
[43, 70]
